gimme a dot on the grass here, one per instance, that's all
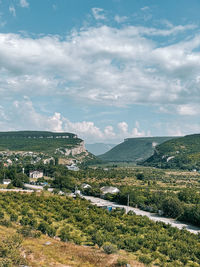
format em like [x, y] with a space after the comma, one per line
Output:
[60, 254]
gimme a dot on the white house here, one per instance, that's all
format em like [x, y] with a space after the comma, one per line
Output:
[36, 174]
[6, 181]
[109, 190]
[73, 167]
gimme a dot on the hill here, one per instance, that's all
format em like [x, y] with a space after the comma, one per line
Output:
[37, 141]
[85, 235]
[133, 149]
[49, 143]
[180, 153]
[99, 148]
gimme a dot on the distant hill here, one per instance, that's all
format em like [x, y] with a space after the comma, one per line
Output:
[65, 145]
[99, 148]
[181, 153]
[37, 141]
[133, 149]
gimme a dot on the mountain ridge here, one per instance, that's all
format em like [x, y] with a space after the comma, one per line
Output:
[134, 149]
[182, 153]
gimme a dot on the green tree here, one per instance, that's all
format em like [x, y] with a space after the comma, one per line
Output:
[172, 207]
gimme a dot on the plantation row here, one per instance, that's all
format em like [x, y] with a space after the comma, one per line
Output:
[82, 223]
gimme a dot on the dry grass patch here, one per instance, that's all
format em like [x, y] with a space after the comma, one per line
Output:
[58, 253]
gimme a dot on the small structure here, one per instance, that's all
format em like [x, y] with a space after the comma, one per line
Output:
[36, 174]
[73, 167]
[33, 187]
[109, 190]
[9, 161]
[85, 186]
[6, 181]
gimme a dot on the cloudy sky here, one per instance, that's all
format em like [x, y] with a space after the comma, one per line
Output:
[104, 69]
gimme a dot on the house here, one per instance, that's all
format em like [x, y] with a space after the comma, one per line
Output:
[85, 186]
[6, 181]
[109, 190]
[73, 167]
[36, 174]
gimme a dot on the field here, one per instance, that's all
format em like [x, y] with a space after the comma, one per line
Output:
[104, 237]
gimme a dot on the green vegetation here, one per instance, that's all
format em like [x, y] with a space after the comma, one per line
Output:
[133, 149]
[82, 223]
[46, 142]
[179, 153]
[10, 251]
[176, 194]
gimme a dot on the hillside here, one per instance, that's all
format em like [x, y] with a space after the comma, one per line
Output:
[37, 141]
[133, 149]
[86, 235]
[49, 143]
[99, 148]
[181, 153]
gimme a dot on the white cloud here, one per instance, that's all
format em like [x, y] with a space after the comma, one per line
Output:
[120, 19]
[106, 66]
[2, 21]
[22, 115]
[188, 109]
[145, 8]
[85, 129]
[109, 132]
[123, 127]
[12, 10]
[98, 13]
[24, 3]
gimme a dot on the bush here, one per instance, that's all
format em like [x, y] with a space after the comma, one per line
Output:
[145, 259]
[10, 251]
[13, 217]
[27, 231]
[5, 223]
[109, 248]
[172, 207]
[121, 262]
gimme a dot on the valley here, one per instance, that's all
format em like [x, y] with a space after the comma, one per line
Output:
[52, 203]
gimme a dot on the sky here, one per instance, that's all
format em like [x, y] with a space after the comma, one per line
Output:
[103, 69]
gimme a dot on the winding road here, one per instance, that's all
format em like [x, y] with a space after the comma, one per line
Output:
[152, 216]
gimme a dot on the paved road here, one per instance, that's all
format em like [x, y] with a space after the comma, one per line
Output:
[151, 216]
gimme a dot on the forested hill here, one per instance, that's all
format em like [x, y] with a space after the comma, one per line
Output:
[37, 141]
[133, 149]
[181, 153]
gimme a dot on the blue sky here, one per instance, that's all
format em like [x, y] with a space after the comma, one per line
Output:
[106, 70]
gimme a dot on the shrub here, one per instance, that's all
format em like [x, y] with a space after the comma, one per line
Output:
[27, 231]
[145, 259]
[109, 248]
[172, 207]
[121, 262]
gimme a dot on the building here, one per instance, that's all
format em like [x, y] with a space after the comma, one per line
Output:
[109, 190]
[85, 186]
[6, 181]
[73, 167]
[36, 174]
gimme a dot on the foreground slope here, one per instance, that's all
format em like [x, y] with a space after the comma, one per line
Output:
[79, 222]
[181, 153]
[134, 149]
